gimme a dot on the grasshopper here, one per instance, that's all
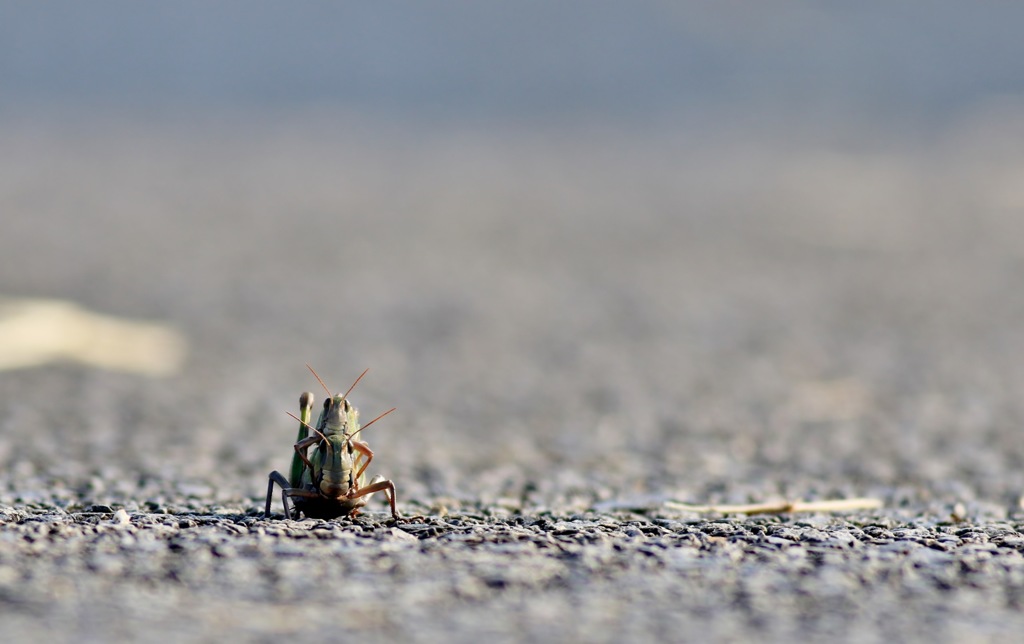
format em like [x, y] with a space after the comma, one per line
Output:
[329, 482]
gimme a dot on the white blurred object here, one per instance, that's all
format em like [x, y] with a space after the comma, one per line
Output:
[40, 331]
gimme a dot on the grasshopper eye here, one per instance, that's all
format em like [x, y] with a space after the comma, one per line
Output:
[327, 404]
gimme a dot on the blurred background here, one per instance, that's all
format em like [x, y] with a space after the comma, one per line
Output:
[717, 251]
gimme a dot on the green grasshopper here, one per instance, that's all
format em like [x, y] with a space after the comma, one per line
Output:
[329, 482]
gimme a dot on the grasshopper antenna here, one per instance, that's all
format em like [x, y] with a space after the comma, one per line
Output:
[372, 421]
[354, 386]
[329, 394]
[308, 426]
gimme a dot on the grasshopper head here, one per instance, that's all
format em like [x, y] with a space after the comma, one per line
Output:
[340, 416]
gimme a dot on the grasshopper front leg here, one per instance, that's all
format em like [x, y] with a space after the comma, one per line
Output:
[364, 458]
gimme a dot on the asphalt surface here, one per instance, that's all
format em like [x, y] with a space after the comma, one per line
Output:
[575, 325]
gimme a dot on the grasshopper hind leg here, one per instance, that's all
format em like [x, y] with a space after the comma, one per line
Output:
[380, 484]
[287, 492]
[277, 477]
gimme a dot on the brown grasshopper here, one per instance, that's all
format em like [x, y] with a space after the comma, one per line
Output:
[329, 482]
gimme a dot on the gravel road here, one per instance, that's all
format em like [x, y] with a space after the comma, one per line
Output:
[575, 326]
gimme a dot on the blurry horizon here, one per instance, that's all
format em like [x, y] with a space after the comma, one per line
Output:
[820, 63]
[879, 128]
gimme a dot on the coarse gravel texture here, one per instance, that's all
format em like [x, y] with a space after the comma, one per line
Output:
[575, 326]
[504, 577]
